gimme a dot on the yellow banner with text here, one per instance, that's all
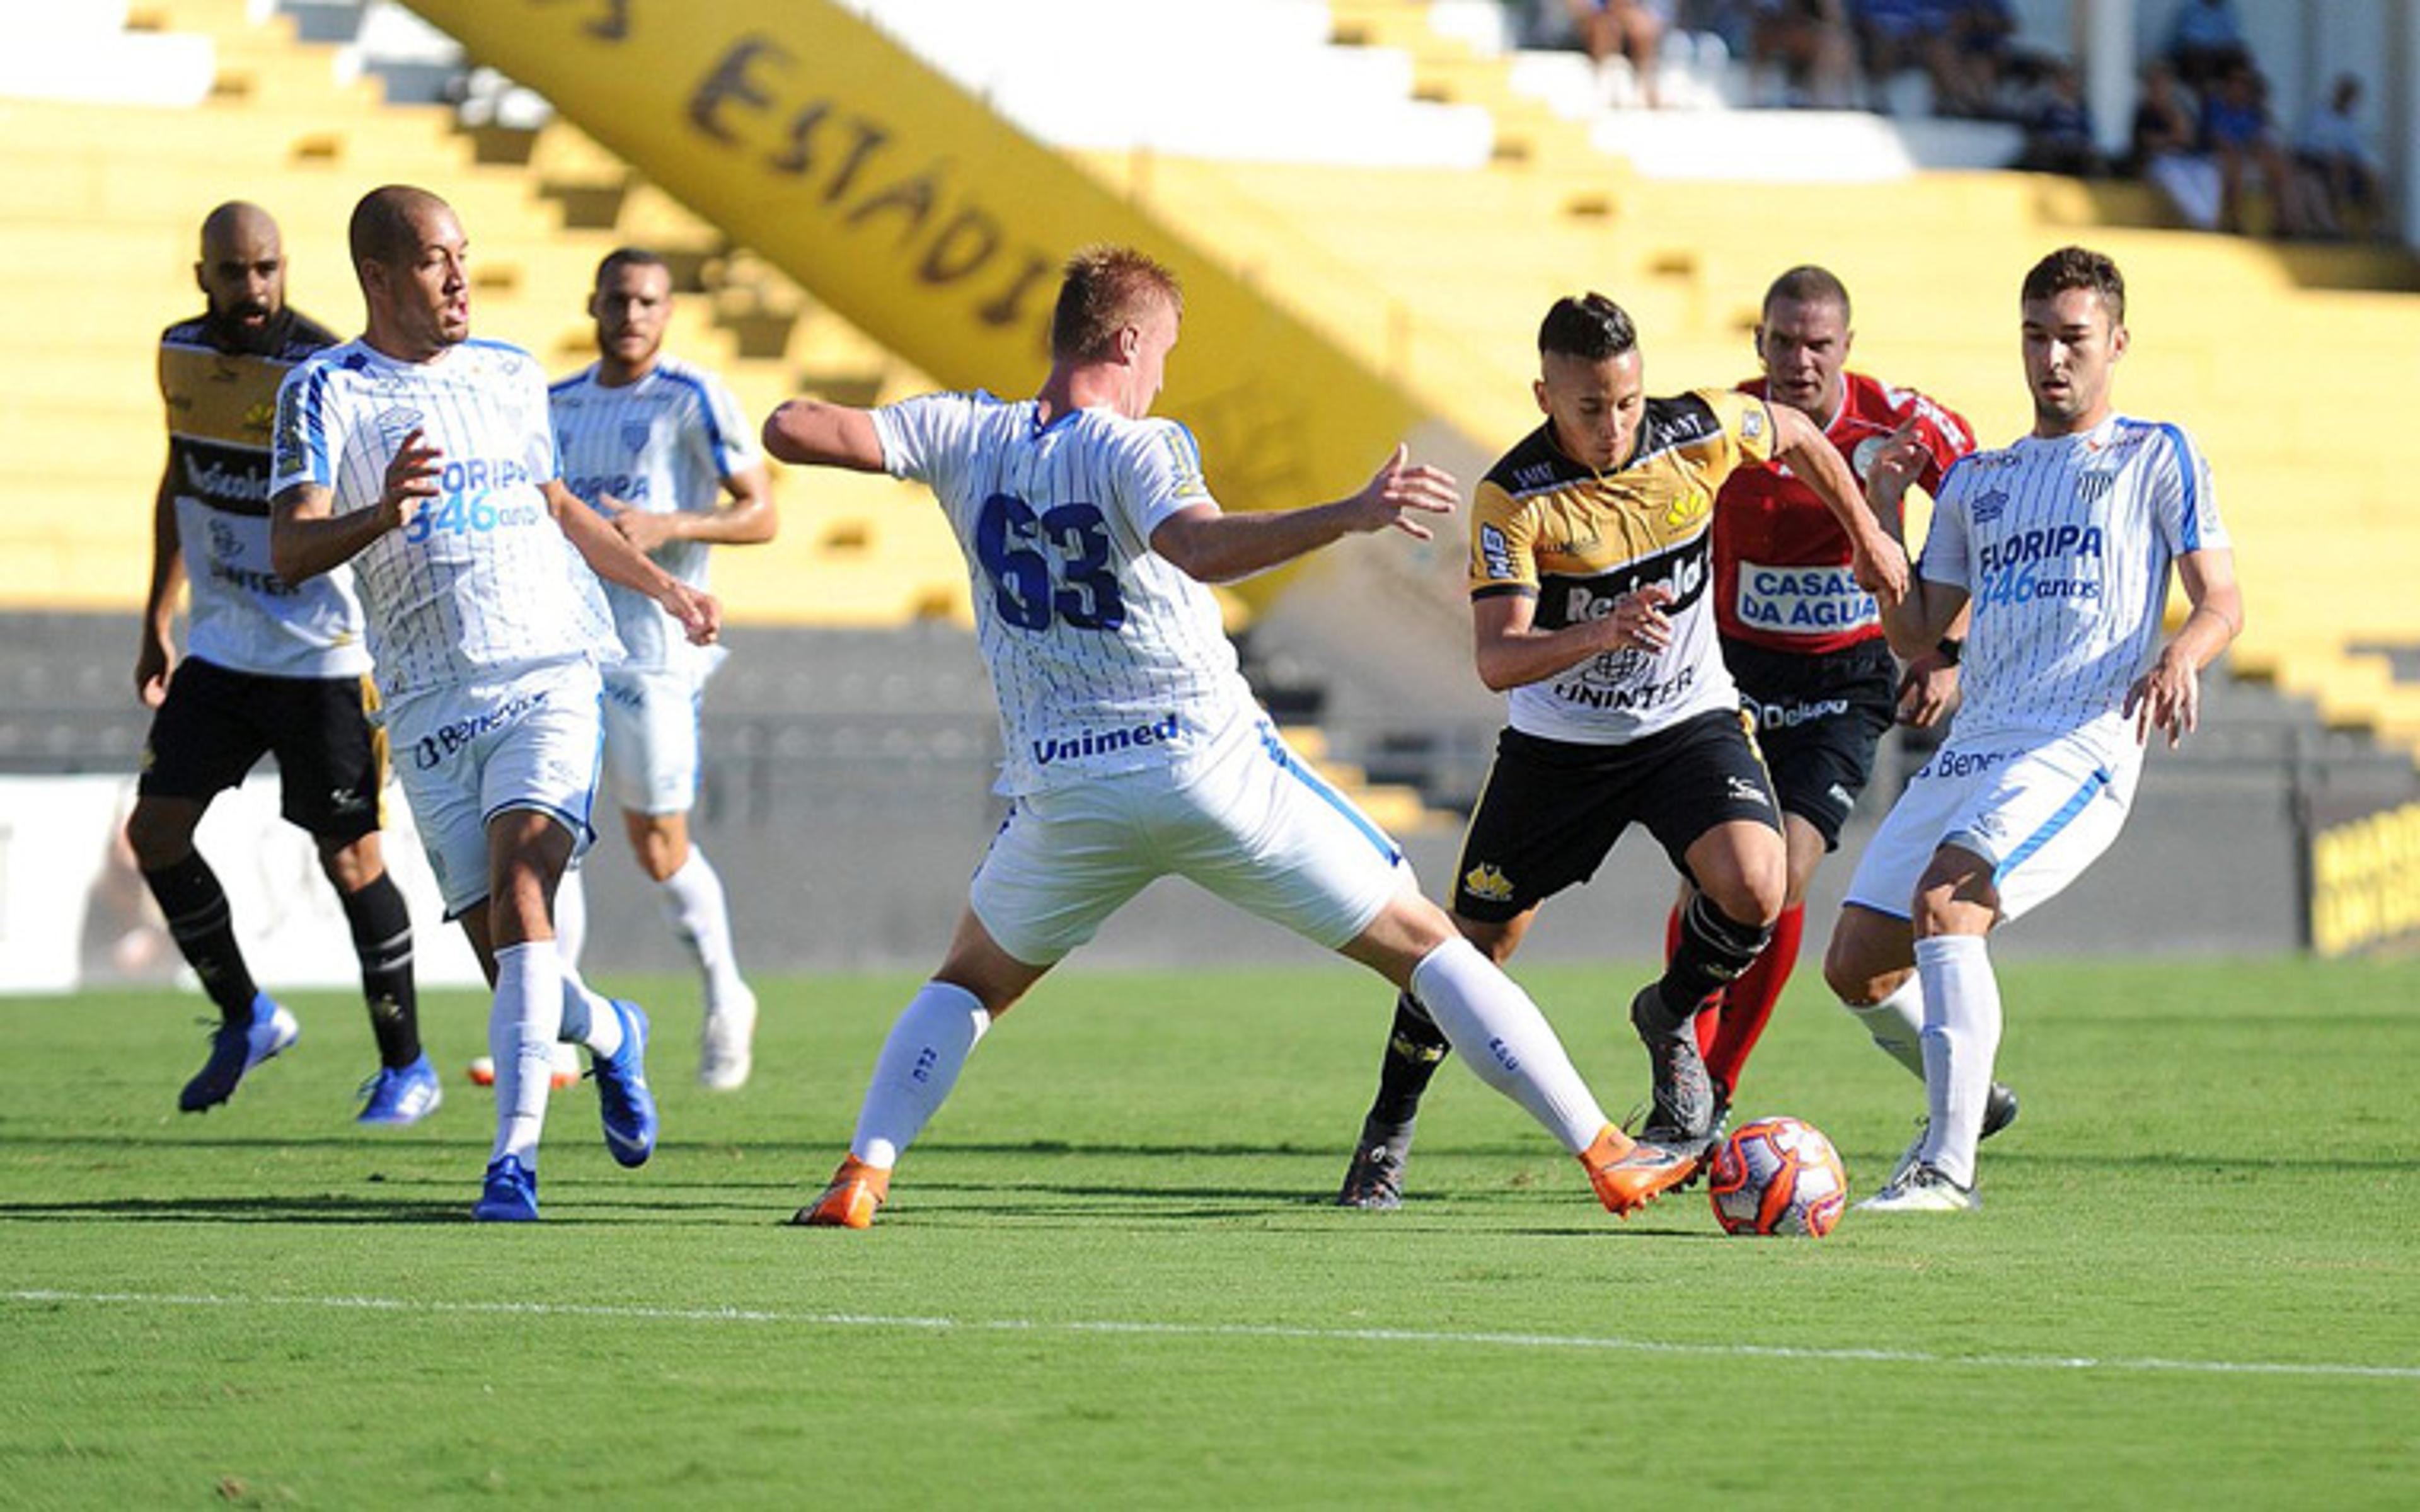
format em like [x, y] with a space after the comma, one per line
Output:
[924, 218]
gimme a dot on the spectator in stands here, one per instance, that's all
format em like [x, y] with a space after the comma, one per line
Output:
[2242, 141]
[2059, 134]
[1810, 46]
[2164, 149]
[1895, 37]
[270, 668]
[2342, 183]
[2206, 39]
[1969, 55]
[1630, 31]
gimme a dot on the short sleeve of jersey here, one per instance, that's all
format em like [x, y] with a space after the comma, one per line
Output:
[920, 435]
[1747, 427]
[1164, 472]
[723, 427]
[2185, 505]
[1943, 559]
[1502, 555]
[300, 450]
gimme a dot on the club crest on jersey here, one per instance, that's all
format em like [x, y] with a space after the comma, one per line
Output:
[634, 436]
[2091, 488]
[1688, 509]
[1751, 424]
[1988, 506]
[1488, 882]
[397, 422]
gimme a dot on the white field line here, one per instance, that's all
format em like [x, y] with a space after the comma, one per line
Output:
[1429, 1337]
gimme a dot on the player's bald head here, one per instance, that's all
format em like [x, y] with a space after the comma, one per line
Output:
[238, 226]
[391, 223]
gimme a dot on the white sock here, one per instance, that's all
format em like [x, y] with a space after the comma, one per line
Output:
[1896, 1023]
[694, 902]
[1501, 1034]
[920, 1063]
[588, 1019]
[570, 916]
[521, 1026]
[1962, 1036]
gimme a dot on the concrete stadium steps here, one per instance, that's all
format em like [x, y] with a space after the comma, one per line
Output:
[111, 196]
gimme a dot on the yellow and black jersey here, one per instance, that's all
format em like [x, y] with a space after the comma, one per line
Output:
[1576, 539]
[222, 404]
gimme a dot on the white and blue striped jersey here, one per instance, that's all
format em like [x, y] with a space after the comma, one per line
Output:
[1105, 658]
[482, 580]
[2063, 546]
[663, 443]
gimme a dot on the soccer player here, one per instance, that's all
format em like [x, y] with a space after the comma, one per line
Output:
[427, 460]
[1134, 748]
[1804, 643]
[655, 446]
[1591, 567]
[270, 667]
[2061, 545]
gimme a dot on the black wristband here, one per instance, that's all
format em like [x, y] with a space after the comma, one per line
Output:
[1950, 649]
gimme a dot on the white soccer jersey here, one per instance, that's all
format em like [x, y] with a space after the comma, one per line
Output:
[663, 443]
[2063, 546]
[482, 580]
[1104, 657]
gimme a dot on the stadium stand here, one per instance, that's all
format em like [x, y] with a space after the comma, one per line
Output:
[107, 193]
[1427, 249]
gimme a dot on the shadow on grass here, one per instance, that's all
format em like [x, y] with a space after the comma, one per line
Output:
[276, 1208]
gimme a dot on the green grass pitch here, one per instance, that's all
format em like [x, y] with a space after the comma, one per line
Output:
[1110, 1278]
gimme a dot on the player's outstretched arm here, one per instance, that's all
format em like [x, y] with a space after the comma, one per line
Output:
[616, 560]
[1875, 556]
[811, 433]
[306, 538]
[157, 653]
[1208, 543]
[2168, 697]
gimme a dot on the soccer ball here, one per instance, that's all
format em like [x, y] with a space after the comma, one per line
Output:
[482, 1072]
[1777, 1176]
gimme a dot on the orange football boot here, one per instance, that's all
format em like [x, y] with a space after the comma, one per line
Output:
[1628, 1175]
[856, 1191]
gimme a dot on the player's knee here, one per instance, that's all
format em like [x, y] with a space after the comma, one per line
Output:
[350, 865]
[158, 836]
[1852, 968]
[1752, 895]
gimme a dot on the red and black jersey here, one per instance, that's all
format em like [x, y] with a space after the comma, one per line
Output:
[1781, 561]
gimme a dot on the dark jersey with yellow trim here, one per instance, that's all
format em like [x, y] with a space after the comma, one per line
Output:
[1576, 539]
[221, 406]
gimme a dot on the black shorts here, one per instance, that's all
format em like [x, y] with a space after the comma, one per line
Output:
[217, 724]
[1552, 809]
[1818, 719]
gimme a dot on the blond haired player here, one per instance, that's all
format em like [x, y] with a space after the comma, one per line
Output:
[1134, 747]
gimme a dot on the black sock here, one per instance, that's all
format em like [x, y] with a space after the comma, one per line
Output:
[383, 938]
[196, 906]
[1416, 1047]
[1714, 947]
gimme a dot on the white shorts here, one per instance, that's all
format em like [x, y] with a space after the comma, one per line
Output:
[651, 747]
[468, 753]
[1247, 821]
[2040, 808]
